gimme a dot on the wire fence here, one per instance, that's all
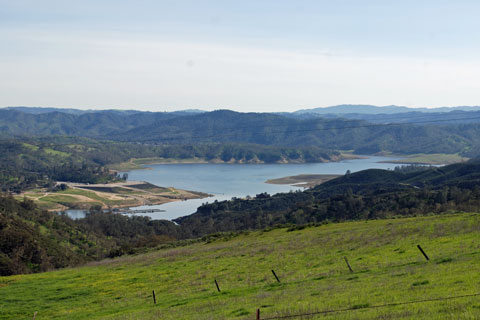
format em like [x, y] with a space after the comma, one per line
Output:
[354, 308]
[360, 306]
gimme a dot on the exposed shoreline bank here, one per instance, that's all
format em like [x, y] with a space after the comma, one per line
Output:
[304, 180]
[141, 163]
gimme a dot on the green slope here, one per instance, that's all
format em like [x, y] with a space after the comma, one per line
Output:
[388, 268]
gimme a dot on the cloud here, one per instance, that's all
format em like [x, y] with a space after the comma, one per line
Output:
[126, 70]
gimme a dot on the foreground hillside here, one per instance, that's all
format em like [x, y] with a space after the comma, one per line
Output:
[388, 268]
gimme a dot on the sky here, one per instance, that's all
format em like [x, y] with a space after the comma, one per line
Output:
[260, 56]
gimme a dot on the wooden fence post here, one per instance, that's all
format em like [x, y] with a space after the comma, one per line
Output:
[154, 298]
[216, 283]
[348, 264]
[423, 252]
[34, 315]
[258, 314]
[275, 275]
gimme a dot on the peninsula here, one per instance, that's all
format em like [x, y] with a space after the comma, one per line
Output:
[70, 195]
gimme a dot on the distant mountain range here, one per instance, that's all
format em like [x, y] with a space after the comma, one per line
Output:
[456, 131]
[333, 110]
[370, 109]
[456, 116]
[41, 110]
[370, 113]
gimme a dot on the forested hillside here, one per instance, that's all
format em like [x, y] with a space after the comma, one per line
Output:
[39, 162]
[32, 240]
[25, 165]
[431, 133]
[338, 134]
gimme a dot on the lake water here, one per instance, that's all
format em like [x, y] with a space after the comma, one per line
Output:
[225, 181]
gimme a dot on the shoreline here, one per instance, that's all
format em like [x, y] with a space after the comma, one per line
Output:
[142, 163]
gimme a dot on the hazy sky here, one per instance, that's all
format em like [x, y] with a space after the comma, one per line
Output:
[242, 55]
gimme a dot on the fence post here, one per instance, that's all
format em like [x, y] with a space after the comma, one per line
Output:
[35, 315]
[154, 299]
[423, 252]
[348, 264]
[216, 283]
[275, 275]
[258, 314]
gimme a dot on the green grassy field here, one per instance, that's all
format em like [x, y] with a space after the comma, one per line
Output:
[388, 268]
[91, 195]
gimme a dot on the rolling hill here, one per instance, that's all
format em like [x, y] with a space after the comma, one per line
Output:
[390, 280]
[224, 126]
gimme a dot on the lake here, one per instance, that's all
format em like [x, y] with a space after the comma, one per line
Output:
[225, 181]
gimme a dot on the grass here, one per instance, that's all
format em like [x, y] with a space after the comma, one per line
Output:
[117, 190]
[34, 194]
[433, 159]
[47, 150]
[388, 268]
[125, 166]
[59, 198]
[57, 153]
[135, 164]
[47, 205]
[86, 193]
[30, 146]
